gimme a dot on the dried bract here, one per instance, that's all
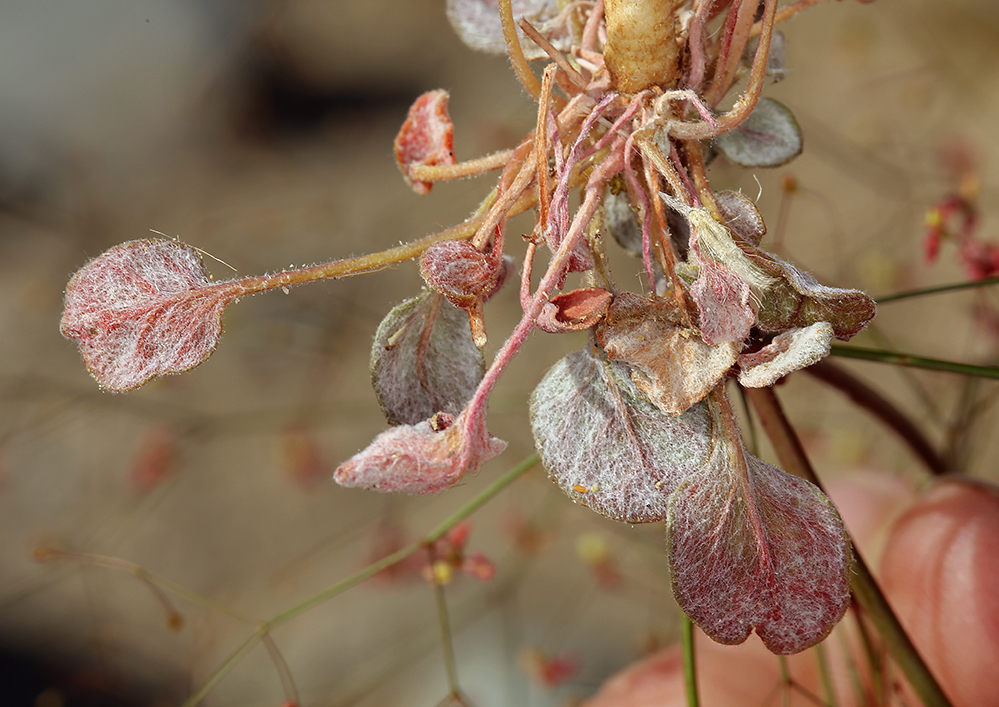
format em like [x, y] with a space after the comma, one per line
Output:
[669, 361]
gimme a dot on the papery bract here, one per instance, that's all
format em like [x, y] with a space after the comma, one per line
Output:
[669, 361]
[426, 138]
[788, 352]
[726, 278]
[608, 447]
[142, 309]
[423, 360]
[418, 460]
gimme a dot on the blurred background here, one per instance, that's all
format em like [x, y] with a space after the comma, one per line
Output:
[260, 131]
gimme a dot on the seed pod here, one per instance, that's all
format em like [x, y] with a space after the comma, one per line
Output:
[641, 49]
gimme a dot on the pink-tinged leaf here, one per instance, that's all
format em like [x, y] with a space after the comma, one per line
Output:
[426, 138]
[420, 459]
[722, 299]
[609, 448]
[753, 548]
[477, 23]
[574, 311]
[669, 361]
[788, 352]
[726, 278]
[796, 300]
[750, 547]
[424, 361]
[143, 309]
[741, 216]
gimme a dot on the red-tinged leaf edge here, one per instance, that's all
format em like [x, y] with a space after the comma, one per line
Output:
[426, 137]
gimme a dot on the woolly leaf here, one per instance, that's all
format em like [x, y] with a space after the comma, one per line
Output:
[420, 459]
[753, 548]
[788, 352]
[424, 361]
[769, 137]
[669, 361]
[741, 216]
[620, 219]
[608, 447]
[477, 23]
[796, 300]
[142, 309]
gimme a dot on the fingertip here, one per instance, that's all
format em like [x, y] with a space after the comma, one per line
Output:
[941, 574]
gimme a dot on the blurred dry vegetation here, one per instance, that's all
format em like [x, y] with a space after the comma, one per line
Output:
[261, 133]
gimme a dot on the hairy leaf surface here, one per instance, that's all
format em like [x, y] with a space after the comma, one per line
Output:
[142, 309]
[670, 363]
[424, 361]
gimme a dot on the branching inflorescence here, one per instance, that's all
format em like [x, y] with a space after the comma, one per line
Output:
[637, 425]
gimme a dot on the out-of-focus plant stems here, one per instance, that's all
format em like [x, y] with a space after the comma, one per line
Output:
[900, 359]
[865, 589]
[879, 406]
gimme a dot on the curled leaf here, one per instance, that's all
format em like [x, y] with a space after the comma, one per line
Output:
[769, 137]
[142, 309]
[575, 310]
[726, 279]
[424, 361]
[669, 361]
[796, 300]
[753, 548]
[420, 459]
[609, 448]
[426, 138]
[788, 352]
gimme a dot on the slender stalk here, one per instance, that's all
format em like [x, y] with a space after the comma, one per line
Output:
[879, 406]
[865, 589]
[469, 168]
[689, 661]
[828, 689]
[374, 568]
[953, 287]
[517, 59]
[447, 646]
[900, 359]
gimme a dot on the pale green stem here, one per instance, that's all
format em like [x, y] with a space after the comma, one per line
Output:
[953, 287]
[900, 359]
[689, 661]
[374, 568]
